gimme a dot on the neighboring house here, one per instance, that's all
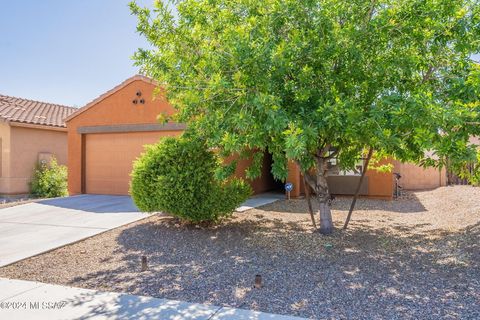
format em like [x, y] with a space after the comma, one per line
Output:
[109, 133]
[29, 131]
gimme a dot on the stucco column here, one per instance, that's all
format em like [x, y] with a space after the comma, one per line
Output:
[294, 178]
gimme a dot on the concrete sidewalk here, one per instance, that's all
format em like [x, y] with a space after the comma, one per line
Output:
[260, 200]
[34, 300]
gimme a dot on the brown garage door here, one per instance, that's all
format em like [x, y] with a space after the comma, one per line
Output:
[109, 157]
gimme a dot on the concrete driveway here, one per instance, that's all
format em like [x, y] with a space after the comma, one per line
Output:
[29, 229]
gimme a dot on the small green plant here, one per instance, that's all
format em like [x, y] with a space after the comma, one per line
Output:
[49, 180]
[177, 176]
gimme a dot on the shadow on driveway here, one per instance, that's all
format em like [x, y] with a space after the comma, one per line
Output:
[94, 203]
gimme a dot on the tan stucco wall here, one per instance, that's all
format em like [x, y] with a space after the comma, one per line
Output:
[475, 140]
[5, 158]
[414, 177]
[265, 182]
[380, 184]
[25, 146]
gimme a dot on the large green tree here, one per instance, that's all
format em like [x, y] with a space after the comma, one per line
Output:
[314, 79]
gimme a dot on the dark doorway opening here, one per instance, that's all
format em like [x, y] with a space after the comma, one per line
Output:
[274, 185]
[265, 182]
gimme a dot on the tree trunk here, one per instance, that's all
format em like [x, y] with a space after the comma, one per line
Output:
[323, 197]
[309, 201]
[326, 222]
[357, 191]
[318, 182]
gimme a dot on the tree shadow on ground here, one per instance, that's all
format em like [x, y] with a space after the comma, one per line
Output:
[366, 272]
[410, 204]
[92, 304]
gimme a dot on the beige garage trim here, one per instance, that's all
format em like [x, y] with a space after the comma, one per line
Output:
[109, 158]
[132, 128]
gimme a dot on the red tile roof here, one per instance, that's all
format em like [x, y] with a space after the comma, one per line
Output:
[33, 112]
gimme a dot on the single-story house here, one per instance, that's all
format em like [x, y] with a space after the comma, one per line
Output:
[29, 131]
[109, 133]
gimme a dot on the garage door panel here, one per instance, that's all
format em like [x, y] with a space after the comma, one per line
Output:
[109, 158]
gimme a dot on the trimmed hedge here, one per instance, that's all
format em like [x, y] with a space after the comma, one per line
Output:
[177, 176]
[49, 180]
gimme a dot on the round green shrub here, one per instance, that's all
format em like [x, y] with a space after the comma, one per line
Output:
[49, 180]
[177, 176]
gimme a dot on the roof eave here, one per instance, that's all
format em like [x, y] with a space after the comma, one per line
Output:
[36, 126]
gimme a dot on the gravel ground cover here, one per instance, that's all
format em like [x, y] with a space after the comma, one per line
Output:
[6, 202]
[414, 258]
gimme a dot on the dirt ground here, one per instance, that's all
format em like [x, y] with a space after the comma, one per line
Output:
[413, 258]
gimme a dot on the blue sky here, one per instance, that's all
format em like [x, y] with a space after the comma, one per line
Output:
[66, 51]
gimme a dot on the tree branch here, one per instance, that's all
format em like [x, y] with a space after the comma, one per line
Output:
[321, 152]
[428, 75]
[371, 11]
[311, 181]
[333, 154]
[357, 191]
